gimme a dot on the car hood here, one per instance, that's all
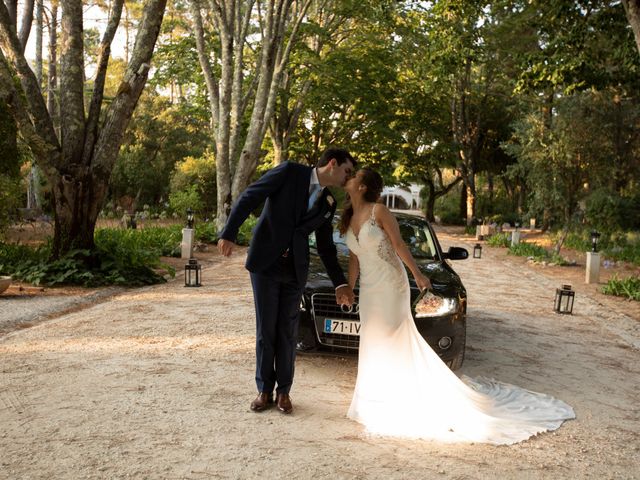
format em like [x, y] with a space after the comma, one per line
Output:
[441, 275]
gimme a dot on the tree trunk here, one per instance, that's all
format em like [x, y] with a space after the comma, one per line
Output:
[78, 171]
[632, 9]
[229, 95]
[471, 202]
[52, 80]
[430, 202]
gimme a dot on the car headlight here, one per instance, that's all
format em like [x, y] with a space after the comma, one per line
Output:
[430, 305]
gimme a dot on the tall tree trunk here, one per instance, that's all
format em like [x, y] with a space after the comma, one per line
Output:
[52, 80]
[34, 193]
[39, 33]
[430, 202]
[25, 24]
[632, 9]
[230, 96]
[77, 170]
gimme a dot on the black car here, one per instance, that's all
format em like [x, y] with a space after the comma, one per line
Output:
[325, 326]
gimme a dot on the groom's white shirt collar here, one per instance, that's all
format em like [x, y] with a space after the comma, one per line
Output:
[314, 179]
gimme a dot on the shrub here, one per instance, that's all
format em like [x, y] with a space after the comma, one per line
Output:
[537, 253]
[207, 232]
[246, 230]
[121, 257]
[628, 287]
[181, 200]
[499, 240]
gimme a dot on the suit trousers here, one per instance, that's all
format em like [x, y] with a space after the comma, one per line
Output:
[276, 294]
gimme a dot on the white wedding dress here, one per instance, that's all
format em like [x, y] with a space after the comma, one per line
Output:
[403, 389]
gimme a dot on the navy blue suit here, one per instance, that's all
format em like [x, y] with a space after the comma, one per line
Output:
[278, 260]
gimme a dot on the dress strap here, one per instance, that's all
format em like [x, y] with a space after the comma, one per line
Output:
[373, 211]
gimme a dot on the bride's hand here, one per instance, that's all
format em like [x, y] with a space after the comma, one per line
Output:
[422, 282]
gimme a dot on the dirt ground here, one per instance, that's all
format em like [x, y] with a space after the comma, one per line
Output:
[156, 383]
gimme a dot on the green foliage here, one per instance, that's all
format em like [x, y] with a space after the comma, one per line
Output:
[447, 208]
[246, 230]
[181, 200]
[607, 211]
[10, 161]
[206, 232]
[152, 242]
[122, 265]
[195, 175]
[10, 200]
[501, 239]
[160, 134]
[537, 253]
[628, 287]
[616, 246]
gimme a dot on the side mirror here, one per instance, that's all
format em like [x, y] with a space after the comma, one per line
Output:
[456, 253]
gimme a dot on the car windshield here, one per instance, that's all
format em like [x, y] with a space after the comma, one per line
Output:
[415, 233]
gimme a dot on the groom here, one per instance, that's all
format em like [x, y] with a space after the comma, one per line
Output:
[296, 204]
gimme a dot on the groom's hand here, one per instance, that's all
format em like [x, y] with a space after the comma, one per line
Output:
[225, 247]
[345, 295]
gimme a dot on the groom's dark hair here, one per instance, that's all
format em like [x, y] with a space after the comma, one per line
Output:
[340, 154]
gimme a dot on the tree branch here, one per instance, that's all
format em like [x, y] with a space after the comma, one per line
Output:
[119, 113]
[36, 108]
[72, 121]
[27, 20]
[98, 87]
[209, 77]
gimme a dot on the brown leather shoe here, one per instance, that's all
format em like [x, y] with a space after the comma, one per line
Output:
[284, 403]
[263, 401]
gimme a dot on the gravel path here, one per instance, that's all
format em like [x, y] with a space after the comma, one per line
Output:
[156, 383]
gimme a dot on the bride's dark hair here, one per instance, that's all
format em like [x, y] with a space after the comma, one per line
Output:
[373, 181]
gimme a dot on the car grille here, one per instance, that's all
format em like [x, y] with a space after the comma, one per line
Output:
[324, 306]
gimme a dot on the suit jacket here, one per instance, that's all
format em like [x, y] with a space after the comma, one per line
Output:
[285, 222]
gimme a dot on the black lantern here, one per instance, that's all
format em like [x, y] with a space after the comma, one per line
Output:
[564, 300]
[477, 251]
[189, 218]
[192, 272]
[594, 240]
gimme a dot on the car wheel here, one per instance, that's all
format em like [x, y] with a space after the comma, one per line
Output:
[456, 363]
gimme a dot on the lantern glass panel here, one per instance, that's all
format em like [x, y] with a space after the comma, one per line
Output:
[477, 251]
[192, 272]
[563, 302]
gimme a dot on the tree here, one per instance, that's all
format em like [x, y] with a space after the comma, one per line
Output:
[252, 46]
[632, 9]
[78, 163]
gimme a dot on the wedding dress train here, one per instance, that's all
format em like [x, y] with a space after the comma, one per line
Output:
[403, 388]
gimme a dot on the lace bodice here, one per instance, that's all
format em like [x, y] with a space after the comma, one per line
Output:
[377, 257]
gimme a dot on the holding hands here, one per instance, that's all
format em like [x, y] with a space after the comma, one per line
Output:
[345, 295]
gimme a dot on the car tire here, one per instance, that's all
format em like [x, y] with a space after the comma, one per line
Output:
[457, 362]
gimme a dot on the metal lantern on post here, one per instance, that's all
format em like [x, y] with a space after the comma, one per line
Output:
[477, 251]
[594, 240]
[564, 300]
[192, 273]
[189, 218]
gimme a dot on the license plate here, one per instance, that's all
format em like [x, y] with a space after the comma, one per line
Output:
[343, 327]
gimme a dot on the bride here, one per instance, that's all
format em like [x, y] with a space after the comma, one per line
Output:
[403, 388]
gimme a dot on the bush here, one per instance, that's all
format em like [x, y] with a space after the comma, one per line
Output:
[246, 230]
[499, 240]
[121, 257]
[82, 267]
[628, 287]
[537, 253]
[207, 232]
[181, 200]
[10, 199]
[607, 211]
